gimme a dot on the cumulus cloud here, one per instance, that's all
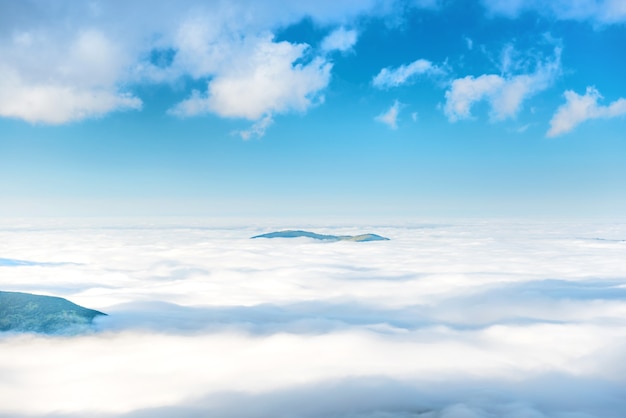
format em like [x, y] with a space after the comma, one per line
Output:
[504, 93]
[394, 77]
[390, 117]
[596, 11]
[266, 76]
[38, 86]
[579, 108]
[479, 319]
[69, 62]
[466, 91]
[57, 104]
[340, 39]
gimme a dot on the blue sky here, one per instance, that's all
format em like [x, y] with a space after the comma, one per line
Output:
[347, 108]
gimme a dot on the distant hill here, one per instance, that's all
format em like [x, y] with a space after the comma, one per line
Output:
[25, 312]
[307, 234]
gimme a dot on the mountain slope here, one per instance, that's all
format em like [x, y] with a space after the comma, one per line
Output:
[25, 312]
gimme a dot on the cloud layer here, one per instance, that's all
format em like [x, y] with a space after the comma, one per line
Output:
[445, 320]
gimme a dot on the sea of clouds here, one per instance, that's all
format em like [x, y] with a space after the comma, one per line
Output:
[466, 319]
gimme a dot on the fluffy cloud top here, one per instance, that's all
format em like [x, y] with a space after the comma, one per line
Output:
[442, 321]
[390, 117]
[579, 108]
[69, 62]
[57, 104]
[504, 93]
[393, 77]
[264, 80]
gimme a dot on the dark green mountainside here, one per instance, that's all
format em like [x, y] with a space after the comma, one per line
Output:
[307, 234]
[24, 312]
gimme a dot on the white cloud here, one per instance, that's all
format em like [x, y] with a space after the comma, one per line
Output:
[579, 108]
[394, 77]
[504, 93]
[264, 80]
[390, 117]
[204, 321]
[58, 103]
[597, 11]
[340, 40]
[44, 81]
[69, 61]
[464, 92]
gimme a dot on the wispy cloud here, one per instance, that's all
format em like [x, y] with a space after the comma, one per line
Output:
[390, 117]
[600, 12]
[394, 77]
[257, 130]
[340, 39]
[580, 108]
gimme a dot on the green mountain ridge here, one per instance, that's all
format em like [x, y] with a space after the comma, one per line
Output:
[321, 237]
[25, 312]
